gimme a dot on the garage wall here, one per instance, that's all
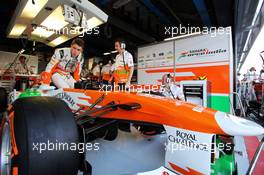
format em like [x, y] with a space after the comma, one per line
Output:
[152, 58]
[6, 58]
[203, 55]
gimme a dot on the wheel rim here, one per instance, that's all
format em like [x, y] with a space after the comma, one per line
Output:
[5, 148]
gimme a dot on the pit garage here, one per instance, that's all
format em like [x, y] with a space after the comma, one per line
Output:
[125, 87]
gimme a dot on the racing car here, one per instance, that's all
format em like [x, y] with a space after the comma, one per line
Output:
[187, 138]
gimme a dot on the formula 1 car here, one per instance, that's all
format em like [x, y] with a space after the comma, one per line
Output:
[42, 132]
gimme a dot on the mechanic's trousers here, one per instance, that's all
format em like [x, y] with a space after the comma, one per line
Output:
[63, 81]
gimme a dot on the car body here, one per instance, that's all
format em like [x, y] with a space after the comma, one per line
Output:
[191, 127]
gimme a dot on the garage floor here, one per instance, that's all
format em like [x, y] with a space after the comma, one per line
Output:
[130, 153]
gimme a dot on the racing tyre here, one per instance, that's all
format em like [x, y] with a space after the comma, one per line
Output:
[5, 146]
[44, 132]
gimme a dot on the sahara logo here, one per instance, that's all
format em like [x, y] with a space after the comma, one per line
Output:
[64, 96]
[199, 52]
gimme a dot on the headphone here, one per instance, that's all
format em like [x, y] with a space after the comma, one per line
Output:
[168, 78]
[122, 44]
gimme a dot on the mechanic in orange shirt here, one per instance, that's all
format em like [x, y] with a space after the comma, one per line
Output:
[65, 66]
[124, 66]
[107, 72]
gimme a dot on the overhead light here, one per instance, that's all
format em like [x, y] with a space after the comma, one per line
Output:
[182, 36]
[55, 20]
[58, 41]
[50, 25]
[17, 30]
[89, 24]
[42, 32]
[32, 9]
[114, 51]
[93, 22]
[107, 53]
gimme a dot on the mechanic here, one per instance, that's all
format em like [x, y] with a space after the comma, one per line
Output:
[252, 75]
[22, 67]
[97, 71]
[169, 89]
[65, 66]
[124, 66]
[106, 72]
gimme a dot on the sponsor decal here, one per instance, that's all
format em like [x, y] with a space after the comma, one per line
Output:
[149, 59]
[187, 139]
[185, 171]
[64, 96]
[161, 54]
[199, 52]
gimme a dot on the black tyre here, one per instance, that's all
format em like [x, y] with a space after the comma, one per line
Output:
[3, 100]
[44, 120]
[5, 146]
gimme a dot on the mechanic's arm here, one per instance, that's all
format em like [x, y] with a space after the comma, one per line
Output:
[131, 71]
[51, 66]
[112, 71]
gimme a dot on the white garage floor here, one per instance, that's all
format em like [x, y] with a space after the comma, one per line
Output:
[129, 153]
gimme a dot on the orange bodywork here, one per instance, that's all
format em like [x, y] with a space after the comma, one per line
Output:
[13, 138]
[157, 110]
